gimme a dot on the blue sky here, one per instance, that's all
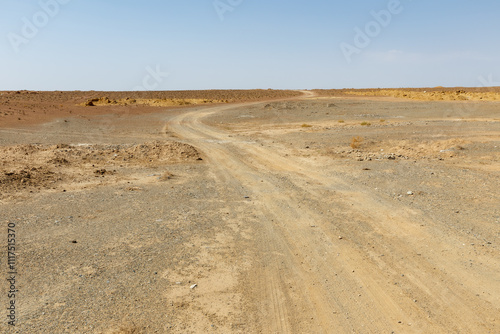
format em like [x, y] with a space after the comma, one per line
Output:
[114, 44]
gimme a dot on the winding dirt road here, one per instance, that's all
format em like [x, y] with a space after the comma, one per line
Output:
[331, 256]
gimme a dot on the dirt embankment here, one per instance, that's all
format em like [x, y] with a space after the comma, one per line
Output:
[105, 101]
[423, 94]
[33, 168]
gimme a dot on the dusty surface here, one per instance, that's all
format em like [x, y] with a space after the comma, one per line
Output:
[317, 215]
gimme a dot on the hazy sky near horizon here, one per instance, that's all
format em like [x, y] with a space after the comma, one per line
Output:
[240, 44]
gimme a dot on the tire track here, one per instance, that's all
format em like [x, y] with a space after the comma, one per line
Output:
[339, 286]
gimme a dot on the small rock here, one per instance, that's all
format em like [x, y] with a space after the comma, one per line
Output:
[410, 193]
[193, 286]
[340, 237]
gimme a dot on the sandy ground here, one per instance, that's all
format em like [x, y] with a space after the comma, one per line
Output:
[313, 215]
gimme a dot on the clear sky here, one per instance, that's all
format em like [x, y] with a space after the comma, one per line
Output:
[283, 44]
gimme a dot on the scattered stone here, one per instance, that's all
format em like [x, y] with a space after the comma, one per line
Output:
[409, 193]
[193, 286]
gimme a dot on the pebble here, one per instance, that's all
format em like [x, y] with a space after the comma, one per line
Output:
[410, 192]
[193, 286]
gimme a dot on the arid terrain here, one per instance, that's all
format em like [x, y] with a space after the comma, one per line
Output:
[342, 211]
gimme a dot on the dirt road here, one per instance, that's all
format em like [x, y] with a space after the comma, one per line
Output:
[267, 217]
[336, 257]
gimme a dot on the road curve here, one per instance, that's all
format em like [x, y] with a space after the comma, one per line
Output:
[333, 257]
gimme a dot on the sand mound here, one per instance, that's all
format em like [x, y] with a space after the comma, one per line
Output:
[46, 166]
[29, 177]
[64, 154]
[105, 101]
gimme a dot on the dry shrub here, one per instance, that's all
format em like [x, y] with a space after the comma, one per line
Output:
[306, 126]
[366, 123]
[356, 142]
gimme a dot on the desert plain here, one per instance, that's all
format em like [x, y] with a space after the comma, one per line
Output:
[317, 211]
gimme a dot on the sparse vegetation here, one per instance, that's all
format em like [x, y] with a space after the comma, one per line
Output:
[356, 142]
[306, 126]
[366, 123]
[341, 121]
